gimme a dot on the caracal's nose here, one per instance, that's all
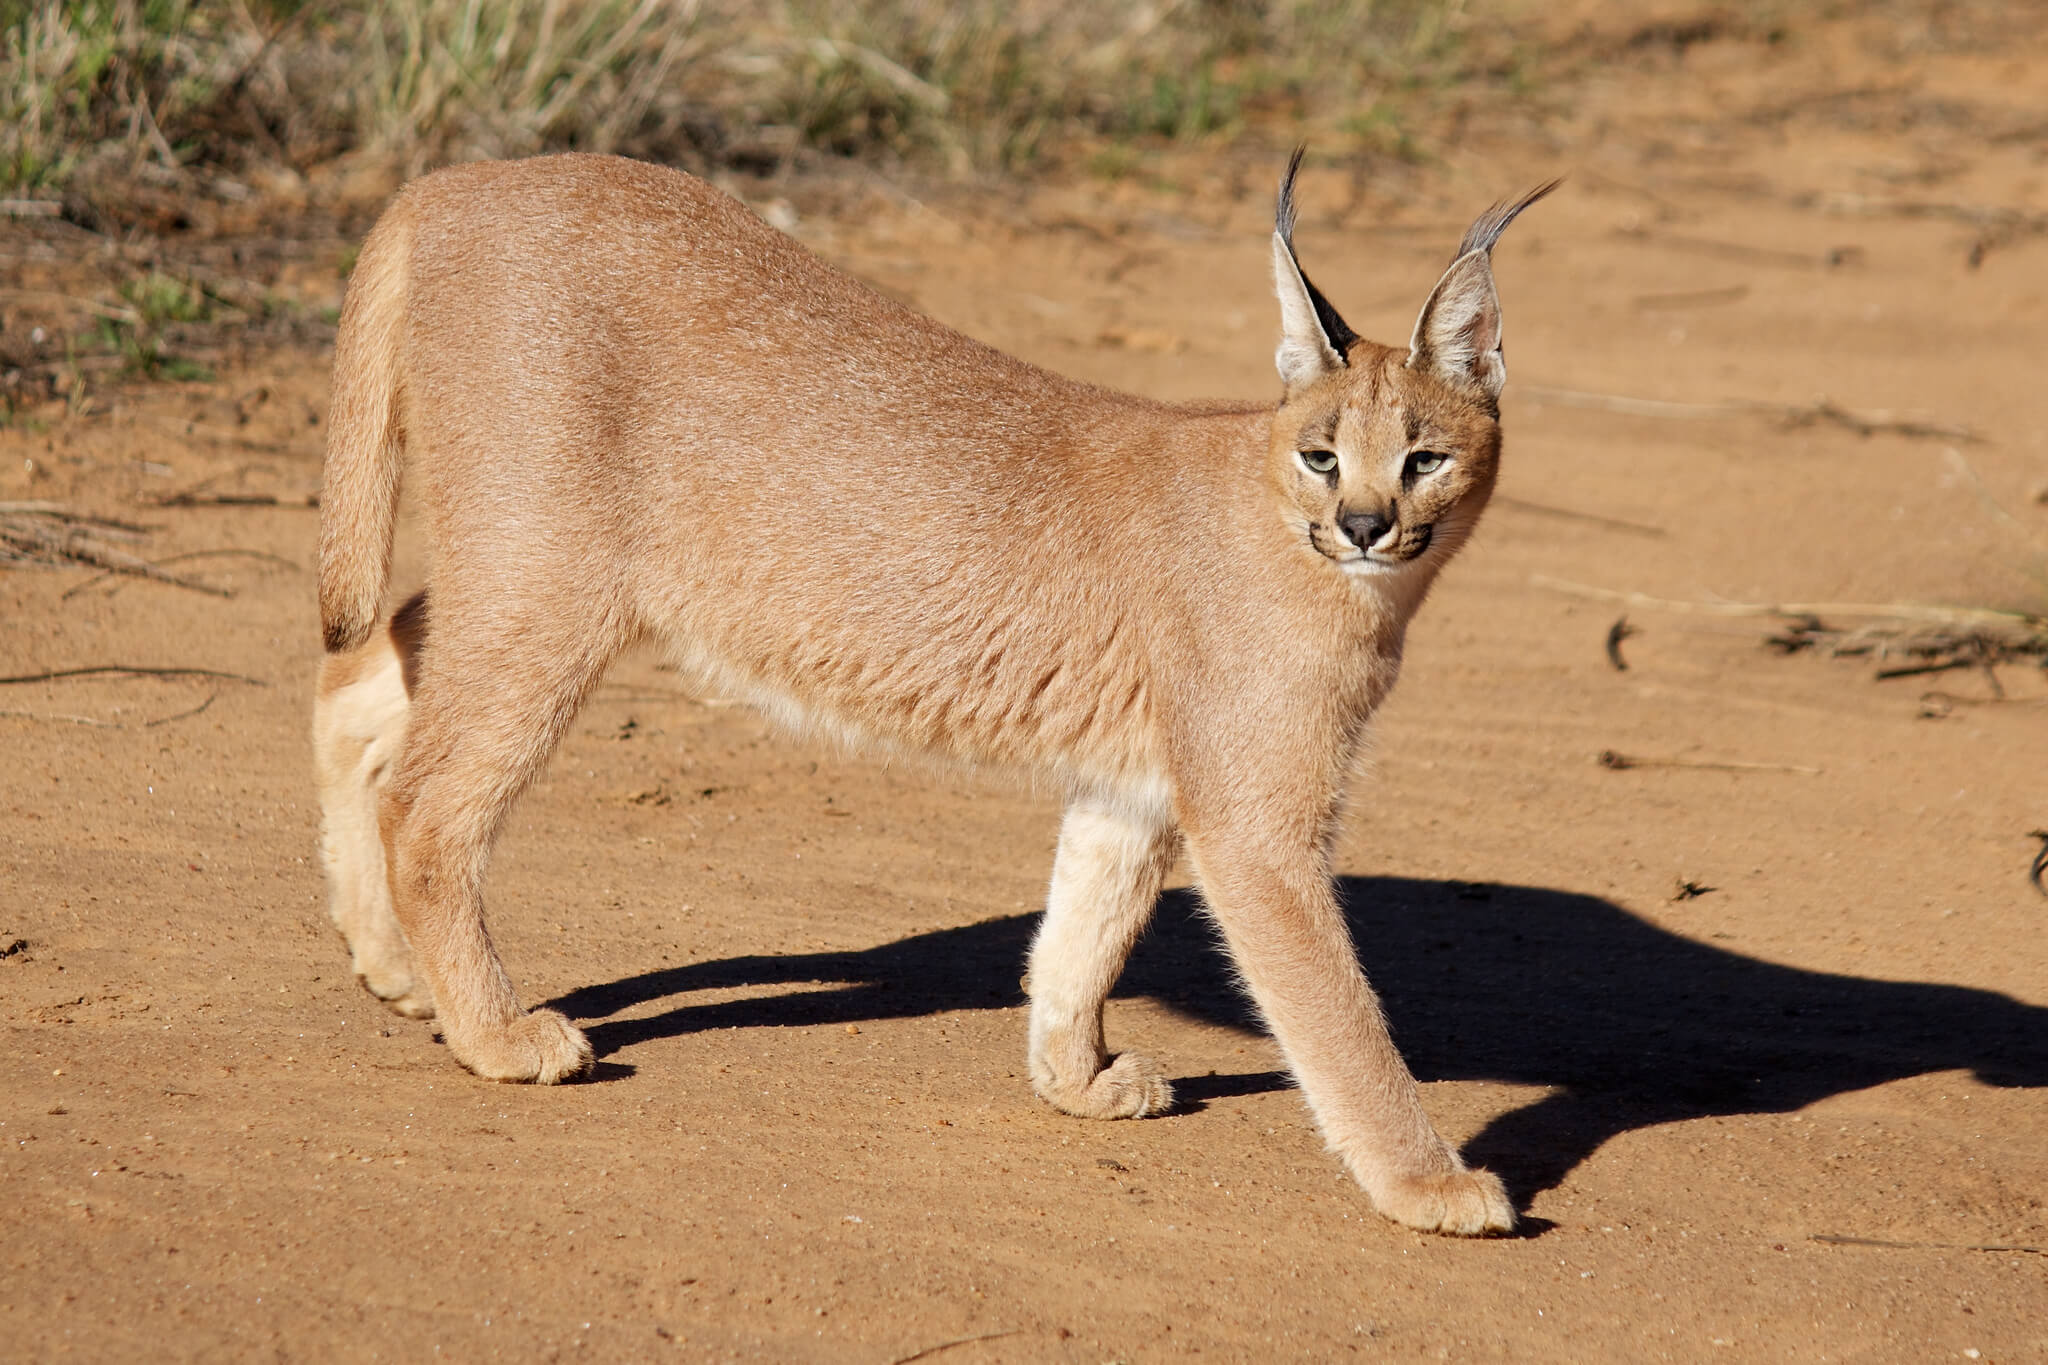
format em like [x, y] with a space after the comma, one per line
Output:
[1366, 528]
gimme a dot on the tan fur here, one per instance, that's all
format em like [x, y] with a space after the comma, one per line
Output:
[630, 408]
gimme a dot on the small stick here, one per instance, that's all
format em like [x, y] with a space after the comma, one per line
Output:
[1629, 407]
[1869, 423]
[1620, 762]
[1962, 466]
[65, 720]
[1863, 423]
[211, 698]
[949, 1345]
[126, 670]
[1949, 701]
[1737, 251]
[1901, 610]
[57, 511]
[113, 561]
[1616, 633]
[98, 310]
[2040, 867]
[41, 545]
[1692, 298]
[1915, 670]
[1837, 1240]
[200, 498]
[226, 438]
[60, 719]
[1592, 518]
[263, 555]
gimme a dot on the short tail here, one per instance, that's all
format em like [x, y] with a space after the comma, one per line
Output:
[365, 437]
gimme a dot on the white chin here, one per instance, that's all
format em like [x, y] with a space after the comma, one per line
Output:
[1365, 566]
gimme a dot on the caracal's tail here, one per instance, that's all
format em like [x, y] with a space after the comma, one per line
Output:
[365, 436]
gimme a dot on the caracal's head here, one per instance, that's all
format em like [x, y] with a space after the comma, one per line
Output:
[1383, 458]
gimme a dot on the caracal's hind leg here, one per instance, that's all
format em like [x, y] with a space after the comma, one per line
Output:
[1105, 881]
[502, 673]
[359, 721]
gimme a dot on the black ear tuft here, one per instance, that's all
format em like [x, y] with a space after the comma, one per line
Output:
[1491, 224]
[1335, 330]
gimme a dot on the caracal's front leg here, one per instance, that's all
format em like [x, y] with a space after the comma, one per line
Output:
[1267, 883]
[1105, 881]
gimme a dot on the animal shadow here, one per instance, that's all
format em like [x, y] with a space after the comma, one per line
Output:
[1627, 1024]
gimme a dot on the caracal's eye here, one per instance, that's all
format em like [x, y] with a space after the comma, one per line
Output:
[1318, 461]
[1423, 462]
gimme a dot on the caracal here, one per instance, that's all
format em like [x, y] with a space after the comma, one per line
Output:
[629, 408]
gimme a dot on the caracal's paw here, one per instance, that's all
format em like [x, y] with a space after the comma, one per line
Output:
[383, 963]
[1130, 1087]
[543, 1048]
[414, 1004]
[1463, 1203]
[405, 993]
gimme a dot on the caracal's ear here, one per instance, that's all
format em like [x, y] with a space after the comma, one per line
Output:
[1458, 335]
[1313, 339]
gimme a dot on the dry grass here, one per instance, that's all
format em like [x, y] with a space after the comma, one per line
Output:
[226, 95]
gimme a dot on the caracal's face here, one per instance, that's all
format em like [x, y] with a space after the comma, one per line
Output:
[1382, 470]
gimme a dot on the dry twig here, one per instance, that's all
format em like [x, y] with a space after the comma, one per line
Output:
[1995, 224]
[1567, 514]
[48, 534]
[1864, 422]
[129, 671]
[1616, 633]
[1837, 1240]
[1621, 762]
[1691, 298]
[1758, 255]
[219, 436]
[1930, 649]
[123, 530]
[201, 498]
[60, 718]
[51, 299]
[263, 555]
[949, 1345]
[1938, 705]
[1990, 617]
[1932, 639]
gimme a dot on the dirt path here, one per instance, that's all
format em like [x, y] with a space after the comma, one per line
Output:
[1794, 1115]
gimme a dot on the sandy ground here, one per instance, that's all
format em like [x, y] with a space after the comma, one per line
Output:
[810, 1137]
